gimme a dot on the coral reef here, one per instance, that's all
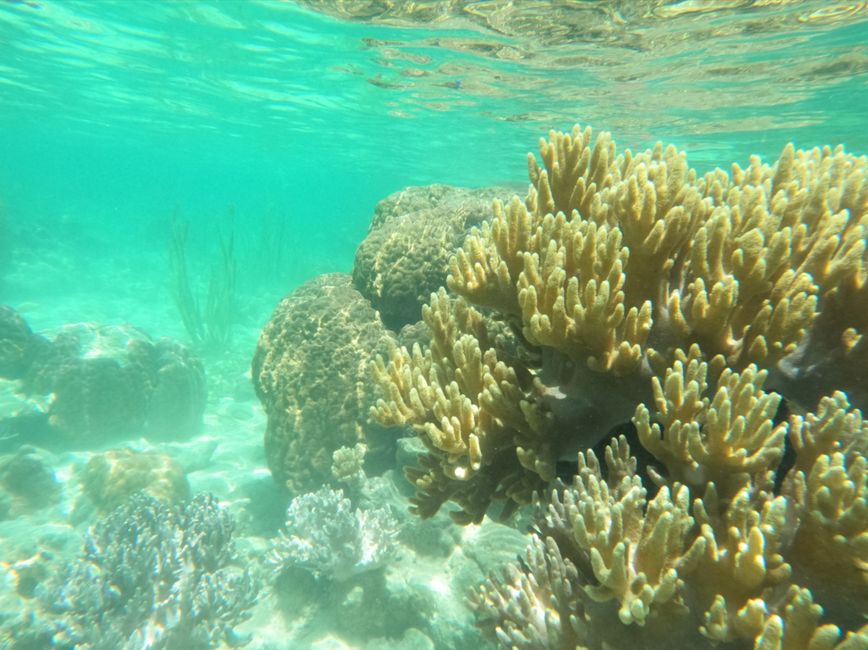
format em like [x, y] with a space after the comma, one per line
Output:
[716, 555]
[348, 466]
[611, 268]
[309, 372]
[105, 382]
[109, 479]
[405, 255]
[152, 575]
[325, 536]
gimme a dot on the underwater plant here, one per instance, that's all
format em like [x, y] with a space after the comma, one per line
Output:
[629, 279]
[153, 576]
[210, 326]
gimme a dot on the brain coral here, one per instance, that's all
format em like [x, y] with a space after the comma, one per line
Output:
[310, 373]
[412, 236]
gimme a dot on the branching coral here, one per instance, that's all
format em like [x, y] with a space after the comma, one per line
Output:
[325, 536]
[153, 576]
[628, 279]
[615, 266]
[472, 407]
[715, 554]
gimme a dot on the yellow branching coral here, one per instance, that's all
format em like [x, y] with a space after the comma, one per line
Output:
[635, 549]
[469, 407]
[721, 440]
[736, 265]
[611, 268]
[742, 567]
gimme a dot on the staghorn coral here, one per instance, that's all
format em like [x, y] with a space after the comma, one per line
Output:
[613, 267]
[716, 555]
[152, 575]
[325, 536]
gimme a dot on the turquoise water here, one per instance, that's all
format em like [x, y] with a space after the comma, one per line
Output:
[275, 127]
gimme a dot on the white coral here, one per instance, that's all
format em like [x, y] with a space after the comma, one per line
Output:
[325, 536]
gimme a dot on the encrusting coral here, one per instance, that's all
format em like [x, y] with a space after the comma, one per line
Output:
[631, 280]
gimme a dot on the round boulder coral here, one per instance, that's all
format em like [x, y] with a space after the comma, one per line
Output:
[310, 373]
[110, 478]
[114, 381]
[27, 482]
[405, 256]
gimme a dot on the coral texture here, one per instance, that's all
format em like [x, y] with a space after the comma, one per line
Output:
[717, 555]
[112, 477]
[15, 335]
[309, 372]
[612, 267]
[405, 255]
[325, 536]
[155, 576]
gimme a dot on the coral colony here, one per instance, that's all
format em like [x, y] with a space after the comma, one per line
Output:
[153, 576]
[650, 300]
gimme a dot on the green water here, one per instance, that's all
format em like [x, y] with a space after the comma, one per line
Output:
[278, 126]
